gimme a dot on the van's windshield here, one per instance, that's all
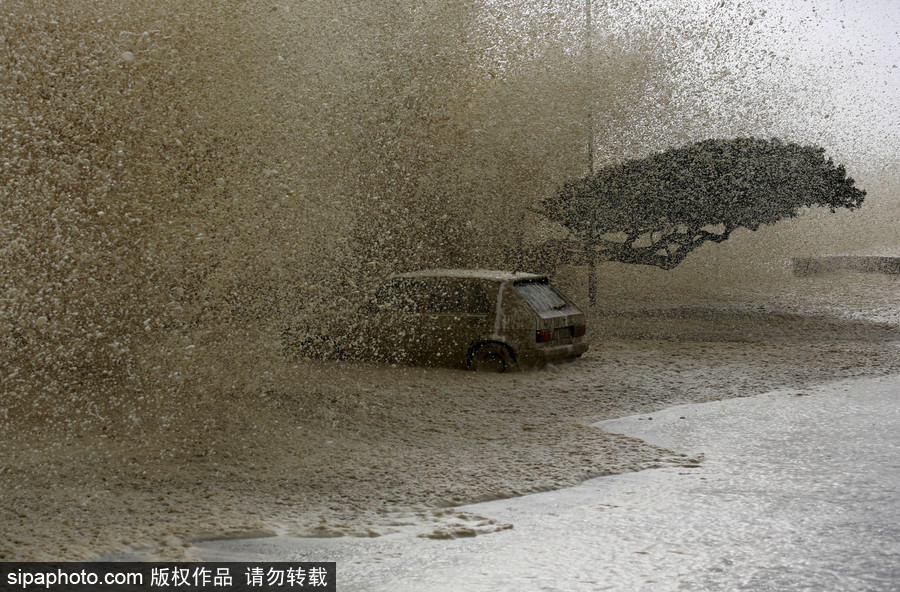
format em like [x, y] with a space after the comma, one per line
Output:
[541, 296]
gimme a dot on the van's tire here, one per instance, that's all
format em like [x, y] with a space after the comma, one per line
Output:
[492, 357]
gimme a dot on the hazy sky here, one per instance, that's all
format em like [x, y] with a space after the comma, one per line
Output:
[820, 71]
[815, 71]
[845, 56]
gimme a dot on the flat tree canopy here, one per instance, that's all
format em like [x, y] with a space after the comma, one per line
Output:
[656, 210]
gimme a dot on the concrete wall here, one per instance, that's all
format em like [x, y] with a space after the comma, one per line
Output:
[831, 263]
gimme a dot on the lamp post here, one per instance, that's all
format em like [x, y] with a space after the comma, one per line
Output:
[589, 63]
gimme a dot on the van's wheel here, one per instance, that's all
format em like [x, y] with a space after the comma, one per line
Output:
[491, 358]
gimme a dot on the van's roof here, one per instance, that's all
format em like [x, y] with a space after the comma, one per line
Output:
[483, 274]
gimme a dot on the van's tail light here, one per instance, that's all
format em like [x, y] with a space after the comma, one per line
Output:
[578, 330]
[544, 335]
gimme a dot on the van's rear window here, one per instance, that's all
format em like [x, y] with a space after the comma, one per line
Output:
[541, 296]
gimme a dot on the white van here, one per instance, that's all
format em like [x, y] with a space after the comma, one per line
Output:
[478, 319]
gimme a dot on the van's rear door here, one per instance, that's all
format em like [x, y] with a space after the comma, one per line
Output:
[558, 318]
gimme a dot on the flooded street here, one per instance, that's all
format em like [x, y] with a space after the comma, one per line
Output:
[796, 490]
[347, 450]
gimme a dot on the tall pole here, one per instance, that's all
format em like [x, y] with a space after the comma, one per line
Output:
[589, 66]
[589, 58]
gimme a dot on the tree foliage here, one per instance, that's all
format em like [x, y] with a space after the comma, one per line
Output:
[656, 210]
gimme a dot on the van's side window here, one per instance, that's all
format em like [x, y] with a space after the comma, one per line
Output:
[402, 295]
[458, 297]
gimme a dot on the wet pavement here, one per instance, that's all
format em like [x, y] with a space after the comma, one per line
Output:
[794, 490]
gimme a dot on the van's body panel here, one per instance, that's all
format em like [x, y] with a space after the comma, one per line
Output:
[445, 317]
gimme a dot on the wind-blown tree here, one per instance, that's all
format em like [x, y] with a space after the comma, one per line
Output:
[657, 210]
